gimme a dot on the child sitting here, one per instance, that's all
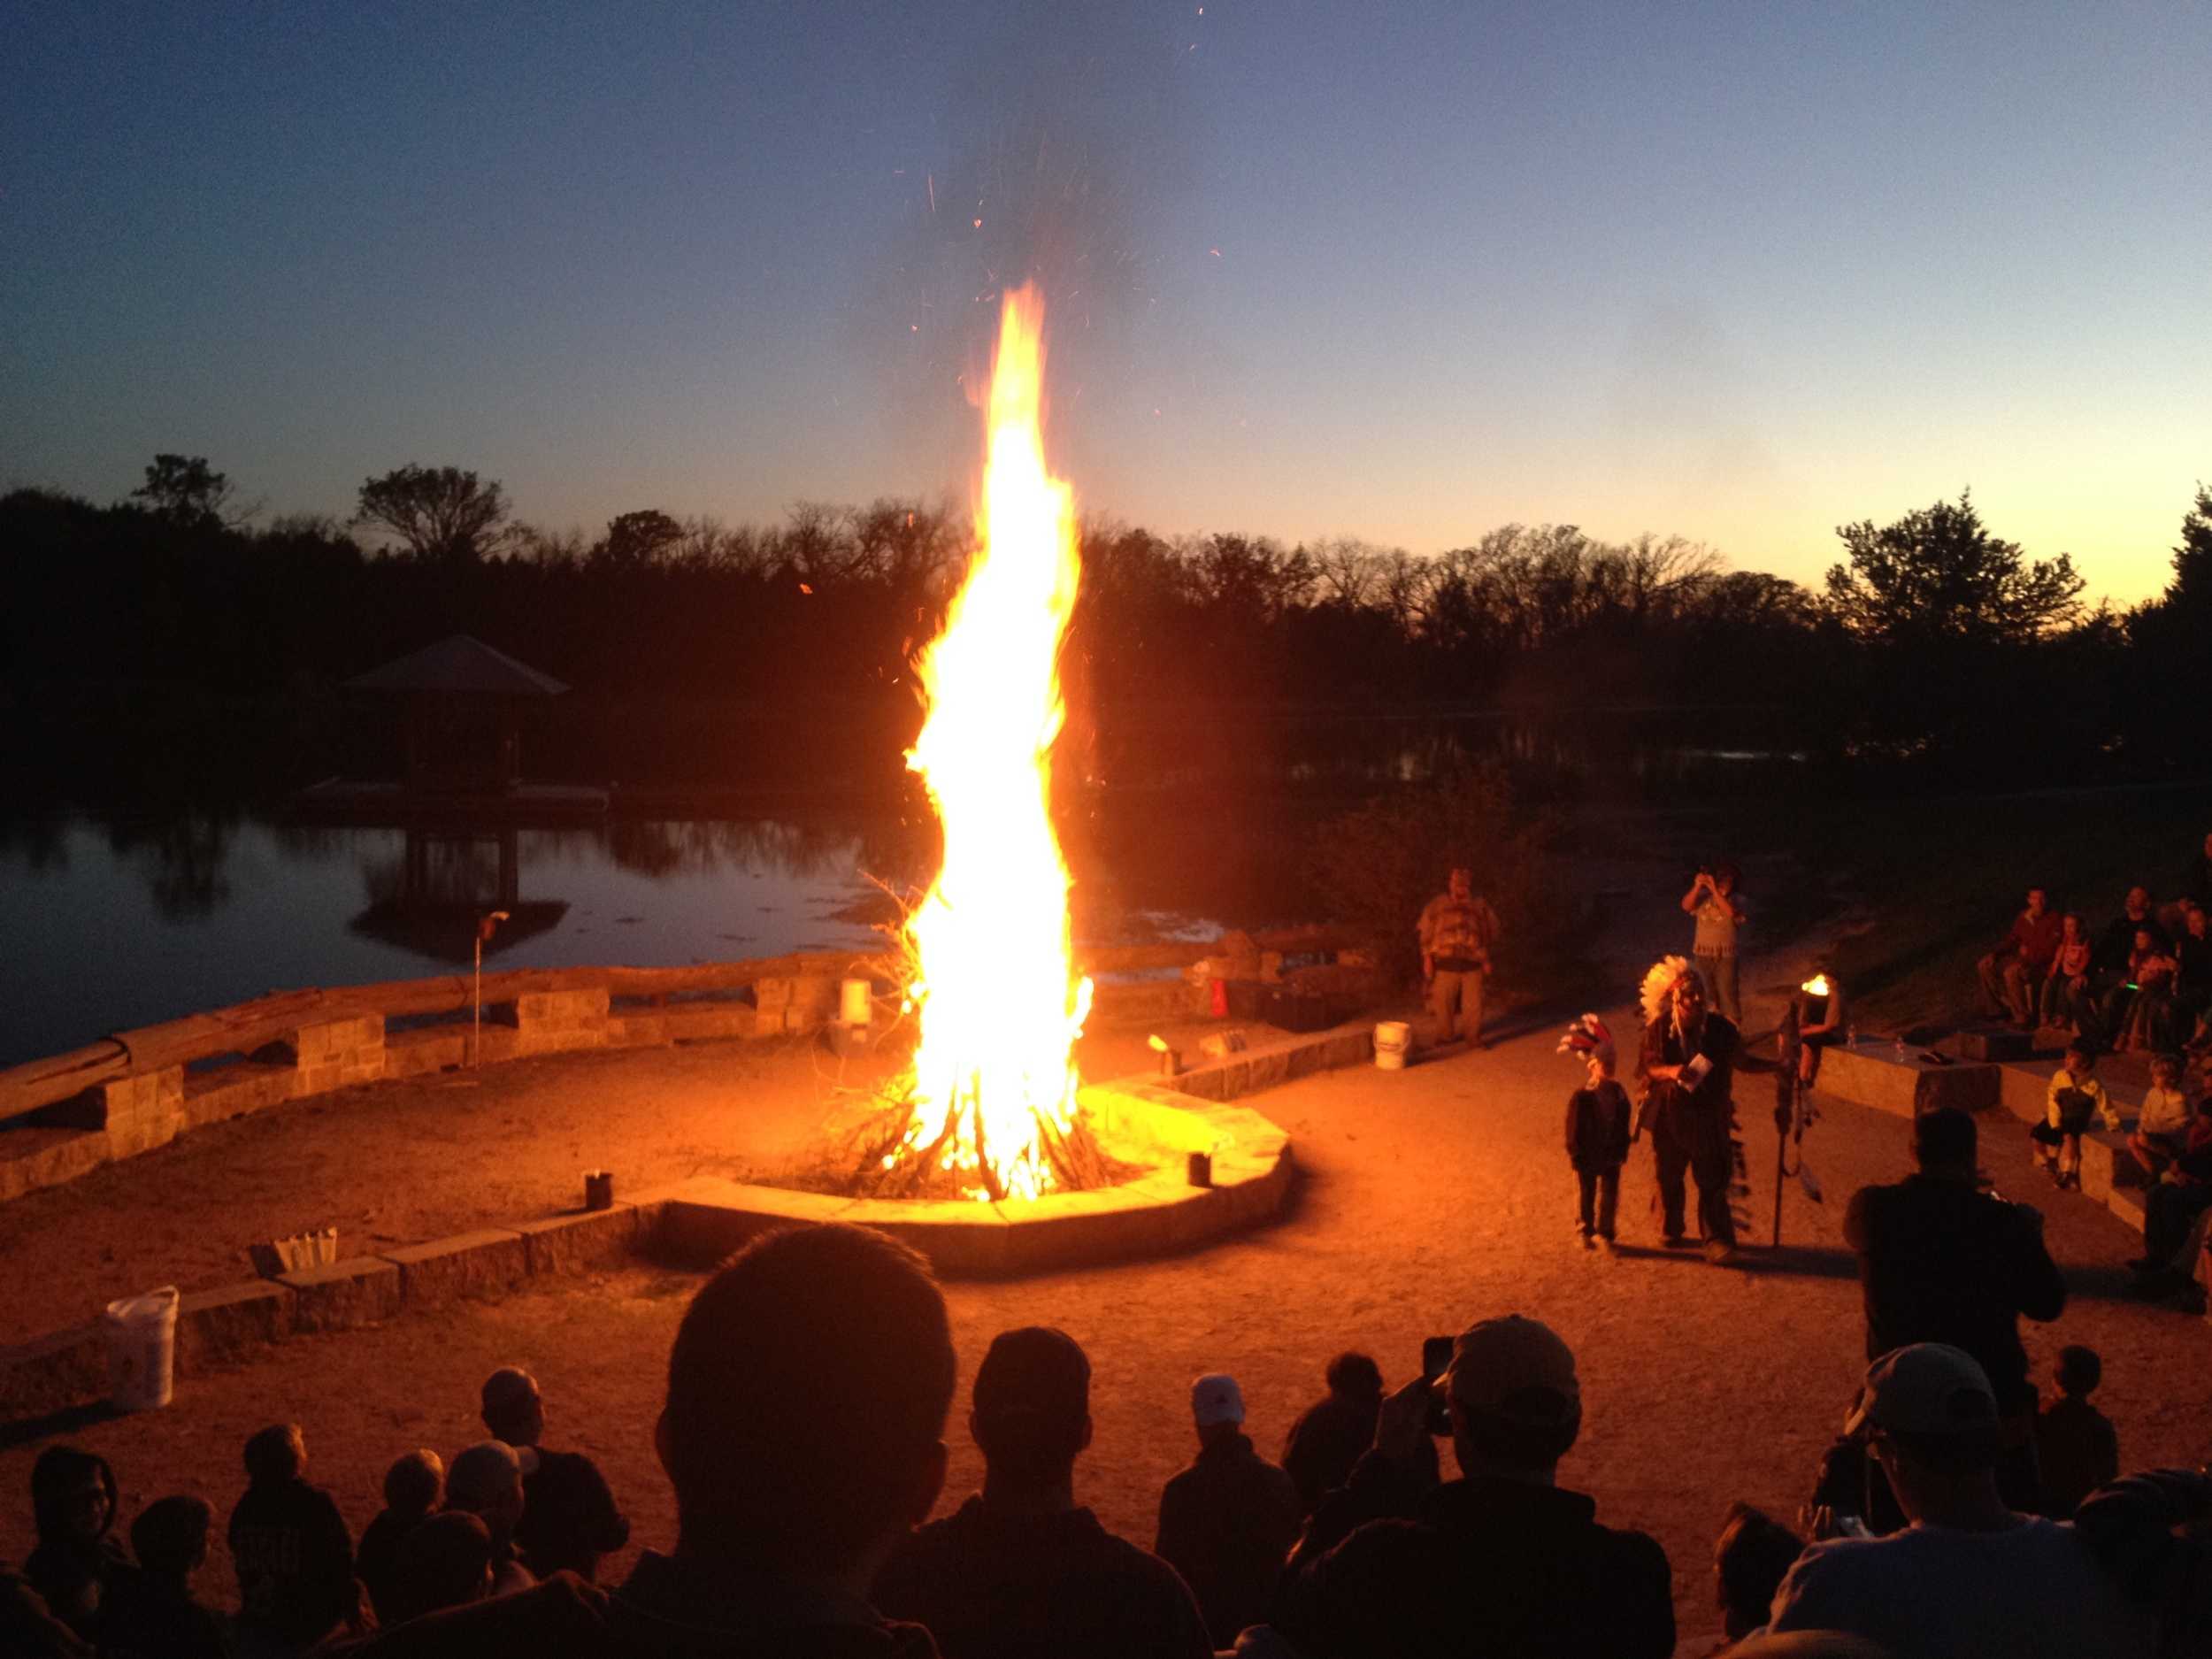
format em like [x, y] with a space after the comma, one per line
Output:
[2162, 1129]
[412, 1490]
[160, 1615]
[2148, 1010]
[2074, 1442]
[2075, 1096]
[1598, 1131]
[2066, 993]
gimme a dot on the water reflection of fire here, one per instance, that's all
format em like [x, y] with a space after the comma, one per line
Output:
[992, 1100]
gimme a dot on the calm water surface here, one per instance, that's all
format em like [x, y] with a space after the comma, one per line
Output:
[109, 925]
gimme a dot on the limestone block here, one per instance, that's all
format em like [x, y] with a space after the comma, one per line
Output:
[35, 1157]
[466, 1264]
[142, 1112]
[223, 1327]
[237, 1090]
[1267, 1069]
[324, 1076]
[695, 1022]
[337, 1041]
[50, 1373]
[338, 1295]
[1991, 1043]
[1879, 1080]
[637, 1028]
[429, 1048]
[579, 1239]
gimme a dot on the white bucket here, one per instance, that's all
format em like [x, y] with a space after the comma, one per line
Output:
[856, 1002]
[142, 1334]
[1393, 1038]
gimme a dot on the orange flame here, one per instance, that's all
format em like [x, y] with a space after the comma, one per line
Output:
[1000, 1005]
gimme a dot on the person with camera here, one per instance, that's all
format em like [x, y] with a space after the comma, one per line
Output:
[1502, 1560]
[1712, 901]
[1941, 1260]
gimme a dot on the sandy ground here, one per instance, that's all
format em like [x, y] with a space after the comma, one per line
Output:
[1431, 1198]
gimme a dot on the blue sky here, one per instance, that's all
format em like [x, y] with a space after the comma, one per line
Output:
[1406, 271]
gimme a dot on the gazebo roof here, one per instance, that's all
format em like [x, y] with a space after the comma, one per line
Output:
[460, 663]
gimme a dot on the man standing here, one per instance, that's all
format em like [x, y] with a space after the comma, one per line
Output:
[1687, 1066]
[1713, 902]
[2013, 973]
[1970, 1576]
[1457, 930]
[1227, 1521]
[1022, 1568]
[569, 1518]
[1941, 1261]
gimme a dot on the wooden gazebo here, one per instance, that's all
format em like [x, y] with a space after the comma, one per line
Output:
[461, 713]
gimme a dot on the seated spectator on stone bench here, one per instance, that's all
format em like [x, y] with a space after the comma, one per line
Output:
[2109, 951]
[2162, 1128]
[2067, 997]
[1227, 1521]
[413, 1485]
[289, 1544]
[2143, 1014]
[77, 1567]
[159, 1617]
[569, 1517]
[2012, 974]
[1330, 1434]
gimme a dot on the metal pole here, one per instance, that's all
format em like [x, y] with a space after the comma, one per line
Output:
[476, 1042]
[1785, 1087]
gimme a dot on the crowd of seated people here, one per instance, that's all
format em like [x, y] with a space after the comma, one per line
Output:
[2142, 981]
[810, 1387]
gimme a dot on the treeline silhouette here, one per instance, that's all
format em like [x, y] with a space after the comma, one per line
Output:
[700, 651]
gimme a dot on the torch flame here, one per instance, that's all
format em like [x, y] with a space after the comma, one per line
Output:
[1818, 986]
[1000, 1005]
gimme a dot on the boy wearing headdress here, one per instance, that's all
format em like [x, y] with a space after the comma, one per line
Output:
[1598, 1131]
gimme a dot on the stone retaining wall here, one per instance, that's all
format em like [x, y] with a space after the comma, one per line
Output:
[227, 1325]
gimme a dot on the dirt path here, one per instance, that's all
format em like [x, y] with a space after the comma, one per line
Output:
[1431, 1197]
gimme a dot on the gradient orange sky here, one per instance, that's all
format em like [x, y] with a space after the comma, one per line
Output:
[1736, 272]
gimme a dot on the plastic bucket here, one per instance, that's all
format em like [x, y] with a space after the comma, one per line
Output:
[856, 1002]
[142, 1333]
[1393, 1038]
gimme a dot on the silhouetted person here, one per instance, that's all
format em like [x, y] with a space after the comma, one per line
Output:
[1968, 1576]
[569, 1518]
[76, 1566]
[1502, 1560]
[1228, 1520]
[445, 1561]
[486, 1481]
[412, 1488]
[805, 1435]
[1942, 1261]
[28, 1627]
[290, 1546]
[1020, 1569]
[1330, 1434]
[2075, 1448]
[1750, 1557]
[158, 1617]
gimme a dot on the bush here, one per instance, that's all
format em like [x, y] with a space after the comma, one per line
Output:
[1374, 868]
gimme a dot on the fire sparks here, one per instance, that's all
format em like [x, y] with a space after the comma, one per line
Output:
[1000, 1002]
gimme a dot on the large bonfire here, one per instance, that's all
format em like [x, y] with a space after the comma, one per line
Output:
[990, 1108]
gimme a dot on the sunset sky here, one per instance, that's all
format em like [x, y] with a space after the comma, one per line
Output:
[1404, 272]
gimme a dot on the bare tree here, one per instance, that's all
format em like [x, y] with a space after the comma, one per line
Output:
[442, 513]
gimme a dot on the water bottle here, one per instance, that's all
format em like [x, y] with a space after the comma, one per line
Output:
[1898, 1049]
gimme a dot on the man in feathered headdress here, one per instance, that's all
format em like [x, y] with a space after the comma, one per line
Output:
[1686, 1066]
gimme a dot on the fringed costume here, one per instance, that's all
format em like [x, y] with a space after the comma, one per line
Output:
[1692, 1116]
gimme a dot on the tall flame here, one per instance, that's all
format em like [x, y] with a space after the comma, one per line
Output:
[1000, 1005]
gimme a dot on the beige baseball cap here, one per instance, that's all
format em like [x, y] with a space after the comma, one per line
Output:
[1925, 1389]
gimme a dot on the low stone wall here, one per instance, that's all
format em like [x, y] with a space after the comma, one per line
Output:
[229, 1325]
[703, 1220]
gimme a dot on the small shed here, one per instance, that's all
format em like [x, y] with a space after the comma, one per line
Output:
[461, 705]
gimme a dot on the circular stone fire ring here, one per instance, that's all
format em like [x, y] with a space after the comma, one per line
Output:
[1142, 1123]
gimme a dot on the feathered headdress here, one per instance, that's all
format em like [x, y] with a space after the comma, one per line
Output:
[1588, 1036]
[1659, 984]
